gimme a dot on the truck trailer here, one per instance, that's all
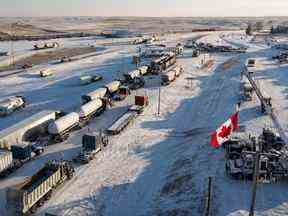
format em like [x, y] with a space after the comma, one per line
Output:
[24, 198]
[29, 129]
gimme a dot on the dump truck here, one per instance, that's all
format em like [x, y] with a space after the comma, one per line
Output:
[46, 72]
[92, 143]
[91, 109]
[11, 104]
[26, 197]
[29, 129]
[97, 94]
[60, 128]
[86, 80]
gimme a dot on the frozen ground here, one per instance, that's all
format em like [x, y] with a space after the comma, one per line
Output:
[160, 164]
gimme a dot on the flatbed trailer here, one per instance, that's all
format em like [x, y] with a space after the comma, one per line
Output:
[122, 122]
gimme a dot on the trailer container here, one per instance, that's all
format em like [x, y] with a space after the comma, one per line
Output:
[9, 105]
[94, 107]
[27, 130]
[97, 94]
[23, 199]
[121, 123]
[60, 128]
[113, 87]
[6, 160]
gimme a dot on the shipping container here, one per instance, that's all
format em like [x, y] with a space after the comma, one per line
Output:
[28, 129]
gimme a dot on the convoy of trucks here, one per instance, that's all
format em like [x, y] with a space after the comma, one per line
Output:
[22, 142]
[171, 75]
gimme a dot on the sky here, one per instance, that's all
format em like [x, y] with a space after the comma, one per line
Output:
[155, 8]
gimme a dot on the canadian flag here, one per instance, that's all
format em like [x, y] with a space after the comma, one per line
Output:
[223, 133]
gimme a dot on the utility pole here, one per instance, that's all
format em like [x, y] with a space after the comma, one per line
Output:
[159, 99]
[255, 181]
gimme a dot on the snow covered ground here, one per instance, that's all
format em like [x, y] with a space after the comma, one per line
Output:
[160, 164]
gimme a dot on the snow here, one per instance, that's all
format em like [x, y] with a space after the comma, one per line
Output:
[159, 164]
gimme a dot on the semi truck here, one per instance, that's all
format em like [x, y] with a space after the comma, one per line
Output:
[93, 108]
[60, 128]
[92, 143]
[97, 94]
[28, 129]
[26, 197]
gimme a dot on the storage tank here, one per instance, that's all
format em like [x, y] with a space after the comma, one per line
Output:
[98, 93]
[6, 160]
[143, 70]
[63, 124]
[113, 86]
[23, 130]
[90, 108]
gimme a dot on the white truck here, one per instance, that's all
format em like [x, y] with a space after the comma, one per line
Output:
[11, 104]
[46, 72]
[60, 129]
[28, 129]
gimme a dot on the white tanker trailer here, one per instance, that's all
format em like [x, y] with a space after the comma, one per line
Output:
[113, 87]
[59, 129]
[91, 109]
[97, 94]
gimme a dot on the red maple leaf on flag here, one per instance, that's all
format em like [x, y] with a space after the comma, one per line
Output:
[225, 131]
